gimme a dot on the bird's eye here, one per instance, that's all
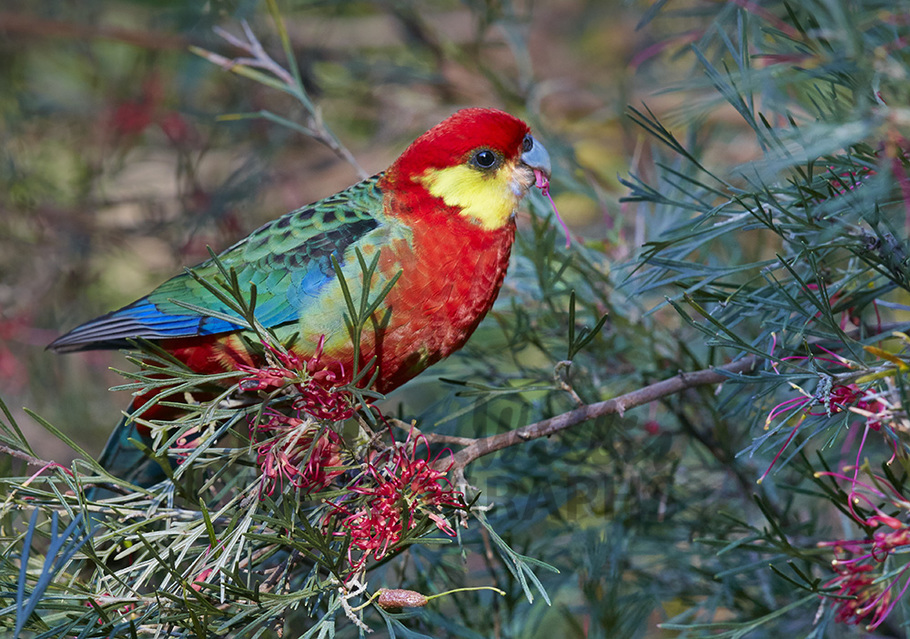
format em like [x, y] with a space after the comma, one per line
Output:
[485, 159]
[527, 144]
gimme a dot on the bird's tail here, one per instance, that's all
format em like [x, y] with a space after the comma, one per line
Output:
[122, 458]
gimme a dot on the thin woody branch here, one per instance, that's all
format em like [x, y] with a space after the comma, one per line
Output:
[619, 405]
[23, 24]
[31, 460]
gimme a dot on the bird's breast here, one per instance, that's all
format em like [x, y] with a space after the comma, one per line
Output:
[449, 282]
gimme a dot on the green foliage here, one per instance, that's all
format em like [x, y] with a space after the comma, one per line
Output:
[798, 258]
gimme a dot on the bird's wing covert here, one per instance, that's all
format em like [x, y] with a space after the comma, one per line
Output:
[288, 260]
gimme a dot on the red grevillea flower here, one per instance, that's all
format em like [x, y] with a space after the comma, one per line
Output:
[543, 183]
[104, 599]
[863, 596]
[829, 399]
[398, 487]
[131, 118]
[298, 451]
[849, 314]
[313, 382]
[859, 562]
[205, 575]
[837, 399]
[849, 180]
[185, 444]
[13, 372]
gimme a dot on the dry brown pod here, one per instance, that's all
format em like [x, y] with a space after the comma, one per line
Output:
[398, 598]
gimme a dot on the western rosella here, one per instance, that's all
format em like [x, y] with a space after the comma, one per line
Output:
[442, 215]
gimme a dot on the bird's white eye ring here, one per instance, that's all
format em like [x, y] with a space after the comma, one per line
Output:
[527, 144]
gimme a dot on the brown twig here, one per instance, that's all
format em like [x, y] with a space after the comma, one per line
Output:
[619, 405]
[33, 25]
[32, 461]
[432, 438]
[278, 77]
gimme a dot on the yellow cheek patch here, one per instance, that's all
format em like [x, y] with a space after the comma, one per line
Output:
[488, 199]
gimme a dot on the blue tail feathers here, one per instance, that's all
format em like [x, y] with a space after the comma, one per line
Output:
[123, 459]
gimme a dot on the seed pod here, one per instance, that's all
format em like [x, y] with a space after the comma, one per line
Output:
[397, 598]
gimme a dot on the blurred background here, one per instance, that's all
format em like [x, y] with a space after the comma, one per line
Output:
[116, 172]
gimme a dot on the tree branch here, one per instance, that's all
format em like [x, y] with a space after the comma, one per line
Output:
[33, 25]
[33, 461]
[480, 447]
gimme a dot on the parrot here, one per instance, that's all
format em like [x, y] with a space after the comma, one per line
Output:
[441, 219]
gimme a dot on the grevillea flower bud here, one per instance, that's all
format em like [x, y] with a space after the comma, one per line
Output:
[391, 599]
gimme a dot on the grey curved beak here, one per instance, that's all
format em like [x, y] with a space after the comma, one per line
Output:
[537, 157]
